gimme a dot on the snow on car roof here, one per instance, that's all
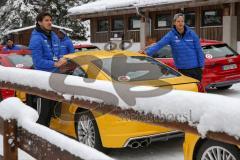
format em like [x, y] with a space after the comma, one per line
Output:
[106, 5]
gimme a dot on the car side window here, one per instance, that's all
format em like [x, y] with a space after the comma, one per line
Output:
[165, 52]
[74, 69]
[78, 71]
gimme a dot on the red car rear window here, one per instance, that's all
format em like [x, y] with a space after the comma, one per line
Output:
[218, 51]
[210, 51]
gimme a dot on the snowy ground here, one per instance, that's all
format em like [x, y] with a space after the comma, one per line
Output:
[170, 150]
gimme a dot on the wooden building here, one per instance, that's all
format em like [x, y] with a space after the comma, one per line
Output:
[22, 35]
[211, 19]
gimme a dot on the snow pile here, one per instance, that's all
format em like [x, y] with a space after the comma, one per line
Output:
[13, 108]
[105, 5]
[207, 112]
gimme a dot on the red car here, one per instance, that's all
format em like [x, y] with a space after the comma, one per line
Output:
[19, 60]
[85, 47]
[23, 50]
[222, 65]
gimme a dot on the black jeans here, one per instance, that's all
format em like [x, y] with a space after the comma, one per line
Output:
[45, 108]
[195, 73]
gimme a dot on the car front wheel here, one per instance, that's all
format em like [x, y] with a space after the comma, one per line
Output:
[213, 150]
[87, 130]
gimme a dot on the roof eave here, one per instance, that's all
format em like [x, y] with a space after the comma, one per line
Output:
[161, 7]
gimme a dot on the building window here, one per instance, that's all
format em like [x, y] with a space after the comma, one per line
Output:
[212, 18]
[117, 24]
[102, 25]
[134, 23]
[163, 21]
[190, 19]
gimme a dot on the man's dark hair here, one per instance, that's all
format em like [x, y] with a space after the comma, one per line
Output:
[41, 16]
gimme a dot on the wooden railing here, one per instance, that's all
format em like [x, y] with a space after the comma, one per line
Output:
[16, 137]
[118, 111]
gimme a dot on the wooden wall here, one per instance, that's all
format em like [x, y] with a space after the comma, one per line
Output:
[211, 32]
[23, 37]
[238, 19]
[101, 37]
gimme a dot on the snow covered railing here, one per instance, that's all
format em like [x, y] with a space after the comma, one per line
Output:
[212, 116]
[19, 130]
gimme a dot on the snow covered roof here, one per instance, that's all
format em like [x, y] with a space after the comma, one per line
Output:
[33, 26]
[109, 5]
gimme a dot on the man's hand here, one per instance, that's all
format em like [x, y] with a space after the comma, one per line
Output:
[60, 63]
[142, 51]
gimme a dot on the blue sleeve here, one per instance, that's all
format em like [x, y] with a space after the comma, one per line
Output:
[200, 54]
[160, 44]
[70, 46]
[37, 54]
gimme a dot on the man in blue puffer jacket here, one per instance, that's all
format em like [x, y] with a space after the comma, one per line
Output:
[45, 45]
[186, 48]
[66, 44]
[46, 55]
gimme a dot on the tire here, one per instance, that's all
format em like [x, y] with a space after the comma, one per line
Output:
[224, 87]
[210, 147]
[90, 135]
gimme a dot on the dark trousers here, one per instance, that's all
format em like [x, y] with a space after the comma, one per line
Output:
[195, 73]
[45, 109]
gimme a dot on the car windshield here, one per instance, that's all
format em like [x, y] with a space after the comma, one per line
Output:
[20, 60]
[165, 52]
[218, 51]
[135, 68]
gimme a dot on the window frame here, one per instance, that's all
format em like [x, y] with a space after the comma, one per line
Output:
[113, 20]
[195, 18]
[130, 27]
[98, 29]
[212, 24]
[167, 26]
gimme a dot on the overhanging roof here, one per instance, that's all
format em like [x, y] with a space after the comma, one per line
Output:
[81, 13]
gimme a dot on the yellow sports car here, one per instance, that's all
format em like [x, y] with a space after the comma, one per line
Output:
[196, 148]
[108, 131]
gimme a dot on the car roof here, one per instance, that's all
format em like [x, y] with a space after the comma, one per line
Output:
[84, 46]
[101, 54]
[205, 42]
[18, 53]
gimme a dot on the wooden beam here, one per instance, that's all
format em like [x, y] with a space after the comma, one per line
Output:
[10, 146]
[41, 149]
[124, 113]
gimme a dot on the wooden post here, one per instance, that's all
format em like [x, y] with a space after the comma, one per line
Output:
[10, 149]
